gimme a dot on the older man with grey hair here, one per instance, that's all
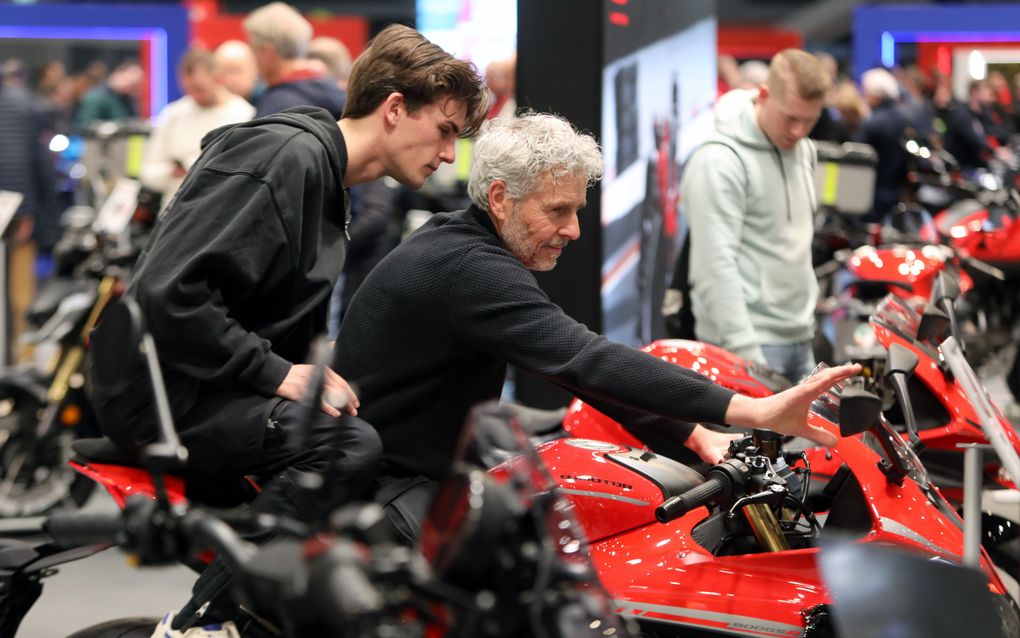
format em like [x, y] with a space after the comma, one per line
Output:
[433, 327]
[280, 38]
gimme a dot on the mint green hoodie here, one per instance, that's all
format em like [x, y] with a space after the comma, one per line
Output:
[751, 209]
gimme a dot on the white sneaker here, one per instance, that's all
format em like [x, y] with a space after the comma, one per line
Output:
[214, 630]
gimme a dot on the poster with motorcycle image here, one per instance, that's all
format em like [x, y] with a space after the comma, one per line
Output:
[659, 84]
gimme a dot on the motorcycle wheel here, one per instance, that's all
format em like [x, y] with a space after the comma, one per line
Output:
[34, 475]
[123, 628]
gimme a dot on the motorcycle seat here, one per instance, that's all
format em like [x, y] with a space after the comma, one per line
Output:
[103, 450]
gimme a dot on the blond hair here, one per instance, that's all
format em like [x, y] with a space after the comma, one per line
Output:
[802, 71]
[280, 26]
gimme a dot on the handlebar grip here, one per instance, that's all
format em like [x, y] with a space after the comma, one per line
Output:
[74, 528]
[676, 506]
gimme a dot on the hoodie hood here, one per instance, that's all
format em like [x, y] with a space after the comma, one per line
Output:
[312, 119]
[735, 118]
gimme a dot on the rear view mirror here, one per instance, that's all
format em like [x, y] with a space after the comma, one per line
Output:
[945, 287]
[934, 324]
[858, 411]
[901, 360]
[901, 364]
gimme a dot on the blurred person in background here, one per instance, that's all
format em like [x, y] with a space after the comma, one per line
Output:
[749, 192]
[850, 106]
[1000, 109]
[727, 73]
[280, 36]
[235, 64]
[967, 127]
[334, 57]
[830, 126]
[884, 130]
[753, 73]
[502, 81]
[25, 168]
[56, 89]
[114, 99]
[915, 101]
[175, 142]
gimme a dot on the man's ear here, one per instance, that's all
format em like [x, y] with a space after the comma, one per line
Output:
[394, 107]
[499, 203]
[763, 93]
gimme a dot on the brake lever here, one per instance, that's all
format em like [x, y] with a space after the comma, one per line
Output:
[773, 493]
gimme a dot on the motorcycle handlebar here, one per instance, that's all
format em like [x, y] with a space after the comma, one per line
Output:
[210, 532]
[720, 484]
[676, 506]
[73, 528]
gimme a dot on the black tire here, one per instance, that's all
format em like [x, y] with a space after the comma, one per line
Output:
[123, 628]
[34, 475]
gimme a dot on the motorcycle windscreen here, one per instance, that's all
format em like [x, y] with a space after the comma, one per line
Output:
[473, 510]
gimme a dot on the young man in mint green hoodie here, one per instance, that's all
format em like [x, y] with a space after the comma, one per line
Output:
[750, 201]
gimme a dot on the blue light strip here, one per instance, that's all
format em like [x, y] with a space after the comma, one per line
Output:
[158, 80]
[957, 36]
[157, 39]
[888, 50]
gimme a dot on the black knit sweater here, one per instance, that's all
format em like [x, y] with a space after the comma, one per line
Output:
[430, 332]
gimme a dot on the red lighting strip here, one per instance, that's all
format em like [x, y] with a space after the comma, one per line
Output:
[619, 19]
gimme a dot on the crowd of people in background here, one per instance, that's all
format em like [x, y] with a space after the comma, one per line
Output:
[889, 106]
[280, 65]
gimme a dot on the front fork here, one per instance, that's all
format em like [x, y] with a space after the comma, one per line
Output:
[68, 364]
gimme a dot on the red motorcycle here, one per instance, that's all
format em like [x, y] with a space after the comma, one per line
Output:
[342, 576]
[987, 229]
[747, 565]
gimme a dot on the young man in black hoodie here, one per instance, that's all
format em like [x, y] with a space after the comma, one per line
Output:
[236, 279]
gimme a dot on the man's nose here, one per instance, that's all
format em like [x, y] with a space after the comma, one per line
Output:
[572, 230]
[449, 151]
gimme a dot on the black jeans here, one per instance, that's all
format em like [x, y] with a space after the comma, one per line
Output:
[346, 450]
[406, 501]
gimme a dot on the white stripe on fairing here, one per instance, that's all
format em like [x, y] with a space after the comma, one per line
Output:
[899, 529]
[746, 625]
[625, 499]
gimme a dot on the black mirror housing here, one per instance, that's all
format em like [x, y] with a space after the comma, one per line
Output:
[946, 286]
[934, 324]
[858, 411]
[901, 360]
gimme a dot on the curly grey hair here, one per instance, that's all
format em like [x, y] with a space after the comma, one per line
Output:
[519, 151]
[281, 26]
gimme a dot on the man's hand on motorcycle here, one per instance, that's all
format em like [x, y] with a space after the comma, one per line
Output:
[710, 445]
[337, 394]
[786, 412]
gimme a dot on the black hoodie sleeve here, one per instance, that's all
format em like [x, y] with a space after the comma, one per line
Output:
[202, 261]
[497, 306]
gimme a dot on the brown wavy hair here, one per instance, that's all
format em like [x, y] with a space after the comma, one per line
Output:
[401, 60]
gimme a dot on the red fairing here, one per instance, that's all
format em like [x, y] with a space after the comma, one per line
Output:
[659, 573]
[962, 425]
[719, 365]
[122, 482]
[993, 237]
[913, 268]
